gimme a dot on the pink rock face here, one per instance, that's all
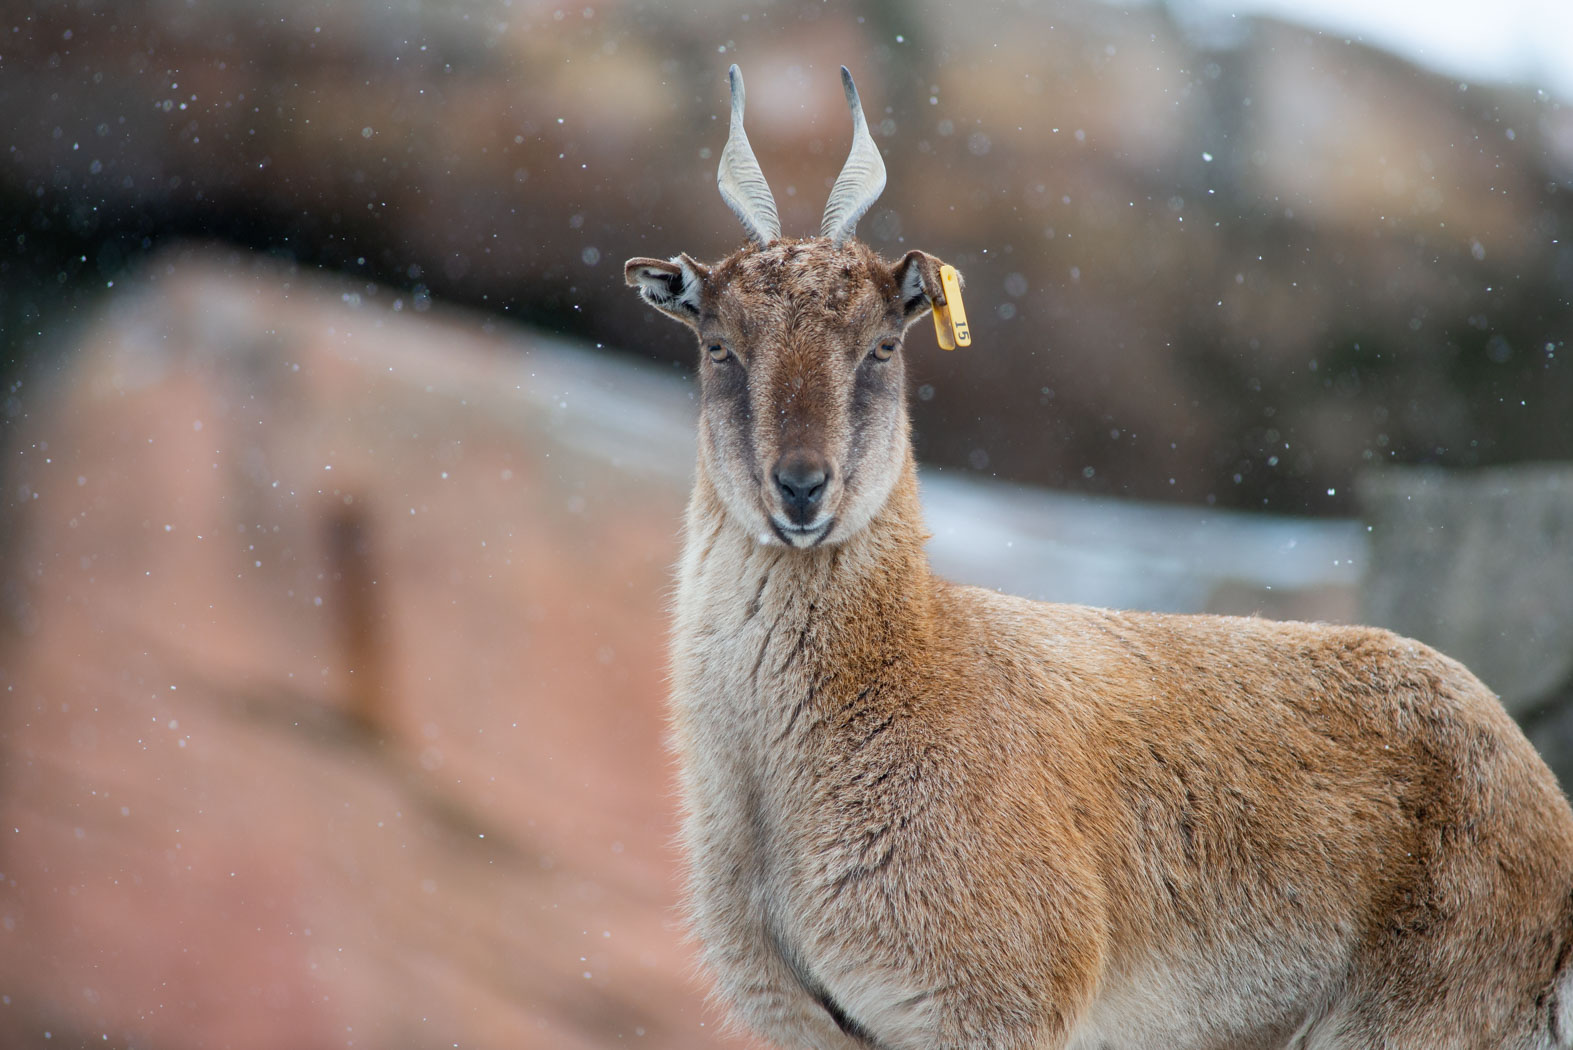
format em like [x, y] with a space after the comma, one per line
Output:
[334, 690]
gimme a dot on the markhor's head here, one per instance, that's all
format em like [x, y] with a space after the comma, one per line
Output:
[803, 420]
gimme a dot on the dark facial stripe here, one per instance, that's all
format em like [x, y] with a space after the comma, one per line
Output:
[729, 384]
[873, 384]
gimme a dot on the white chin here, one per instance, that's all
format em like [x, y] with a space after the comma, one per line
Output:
[798, 536]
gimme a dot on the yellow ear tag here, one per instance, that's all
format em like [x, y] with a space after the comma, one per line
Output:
[950, 320]
[942, 328]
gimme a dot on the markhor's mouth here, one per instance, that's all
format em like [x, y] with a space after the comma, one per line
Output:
[803, 535]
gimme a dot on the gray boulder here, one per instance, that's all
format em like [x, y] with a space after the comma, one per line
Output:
[1480, 565]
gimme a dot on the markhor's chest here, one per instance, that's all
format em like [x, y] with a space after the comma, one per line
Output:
[754, 736]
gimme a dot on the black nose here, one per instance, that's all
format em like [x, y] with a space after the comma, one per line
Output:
[801, 481]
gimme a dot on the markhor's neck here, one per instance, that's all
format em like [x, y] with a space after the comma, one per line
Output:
[872, 589]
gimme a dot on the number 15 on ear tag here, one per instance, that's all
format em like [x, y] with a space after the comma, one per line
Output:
[950, 320]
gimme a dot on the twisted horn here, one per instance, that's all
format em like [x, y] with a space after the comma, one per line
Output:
[861, 179]
[742, 184]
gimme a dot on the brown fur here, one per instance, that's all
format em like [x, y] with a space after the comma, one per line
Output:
[926, 815]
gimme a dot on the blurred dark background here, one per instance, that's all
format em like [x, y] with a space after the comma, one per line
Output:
[1204, 265]
[343, 473]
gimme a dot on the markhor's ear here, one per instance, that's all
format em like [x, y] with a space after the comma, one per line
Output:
[917, 276]
[674, 286]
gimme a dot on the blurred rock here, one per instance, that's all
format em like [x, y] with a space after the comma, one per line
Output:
[1060, 547]
[1551, 731]
[334, 679]
[1226, 268]
[1480, 565]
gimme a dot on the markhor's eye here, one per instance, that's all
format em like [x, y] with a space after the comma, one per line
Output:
[884, 349]
[718, 352]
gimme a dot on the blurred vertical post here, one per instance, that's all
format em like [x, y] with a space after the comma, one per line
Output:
[360, 616]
